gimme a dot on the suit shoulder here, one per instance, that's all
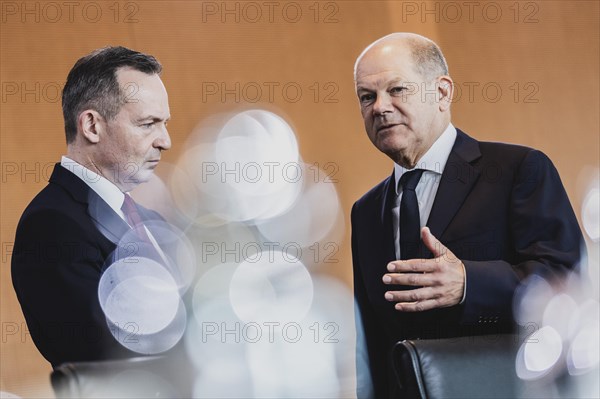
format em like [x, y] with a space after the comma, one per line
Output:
[374, 194]
[51, 206]
[52, 197]
[511, 153]
[505, 148]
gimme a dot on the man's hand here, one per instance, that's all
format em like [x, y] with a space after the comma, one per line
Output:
[441, 280]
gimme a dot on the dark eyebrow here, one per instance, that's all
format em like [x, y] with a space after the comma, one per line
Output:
[152, 118]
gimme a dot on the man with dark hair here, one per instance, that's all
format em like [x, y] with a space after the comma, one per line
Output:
[92, 83]
[440, 246]
[116, 110]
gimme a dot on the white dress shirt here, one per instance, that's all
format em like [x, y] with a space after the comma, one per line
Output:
[433, 163]
[110, 193]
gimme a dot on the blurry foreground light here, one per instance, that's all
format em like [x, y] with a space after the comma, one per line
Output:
[590, 214]
[538, 354]
[140, 291]
[584, 354]
[273, 286]
[141, 302]
[250, 171]
[293, 366]
[310, 219]
[214, 333]
[530, 300]
[154, 194]
[231, 242]
[224, 378]
[561, 313]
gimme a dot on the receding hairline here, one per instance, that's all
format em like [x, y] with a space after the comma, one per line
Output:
[120, 71]
[94, 82]
[414, 42]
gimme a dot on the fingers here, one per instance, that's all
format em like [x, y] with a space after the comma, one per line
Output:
[432, 243]
[411, 296]
[440, 280]
[417, 300]
[440, 254]
[412, 279]
[413, 265]
[418, 306]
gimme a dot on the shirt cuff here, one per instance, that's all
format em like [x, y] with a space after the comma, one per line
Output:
[465, 288]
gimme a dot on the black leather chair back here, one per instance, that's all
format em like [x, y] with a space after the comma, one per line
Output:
[466, 367]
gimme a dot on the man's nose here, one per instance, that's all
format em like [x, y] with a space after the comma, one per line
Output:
[163, 141]
[382, 104]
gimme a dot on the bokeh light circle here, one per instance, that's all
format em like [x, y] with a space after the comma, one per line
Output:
[273, 287]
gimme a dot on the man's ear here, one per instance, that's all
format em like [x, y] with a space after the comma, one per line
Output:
[91, 125]
[446, 91]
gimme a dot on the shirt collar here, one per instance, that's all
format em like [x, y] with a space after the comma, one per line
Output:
[110, 193]
[434, 160]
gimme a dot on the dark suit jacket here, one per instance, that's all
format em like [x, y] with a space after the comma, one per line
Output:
[501, 209]
[65, 239]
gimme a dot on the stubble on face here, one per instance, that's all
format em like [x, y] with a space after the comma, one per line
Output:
[130, 151]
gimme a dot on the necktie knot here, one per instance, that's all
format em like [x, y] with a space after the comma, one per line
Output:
[130, 211]
[409, 180]
[146, 248]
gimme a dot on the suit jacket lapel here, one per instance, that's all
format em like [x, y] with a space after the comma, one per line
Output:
[456, 183]
[386, 232]
[108, 222]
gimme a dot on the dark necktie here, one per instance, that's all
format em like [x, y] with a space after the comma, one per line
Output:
[410, 223]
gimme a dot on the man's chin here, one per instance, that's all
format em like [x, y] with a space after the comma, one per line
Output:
[144, 177]
[392, 147]
[133, 181]
[398, 154]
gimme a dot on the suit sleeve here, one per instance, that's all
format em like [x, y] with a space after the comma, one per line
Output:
[56, 268]
[545, 237]
[370, 339]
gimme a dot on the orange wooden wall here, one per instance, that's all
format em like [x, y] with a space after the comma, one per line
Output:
[527, 70]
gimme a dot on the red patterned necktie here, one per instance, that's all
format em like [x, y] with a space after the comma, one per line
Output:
[145, 247]
[132, 216]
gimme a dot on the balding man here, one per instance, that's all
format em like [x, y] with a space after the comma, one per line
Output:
[440, 245]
